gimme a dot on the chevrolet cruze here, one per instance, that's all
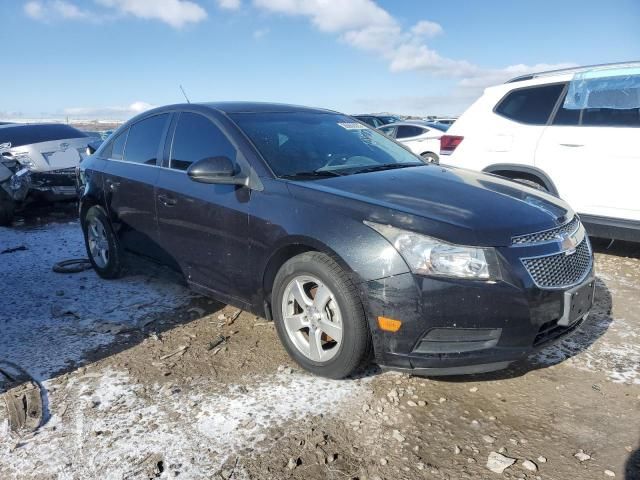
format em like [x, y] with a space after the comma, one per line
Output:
[354, 247]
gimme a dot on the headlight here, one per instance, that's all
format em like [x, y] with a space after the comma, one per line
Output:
[430, 256]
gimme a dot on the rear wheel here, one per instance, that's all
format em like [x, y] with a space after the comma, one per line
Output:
[531, 183]
[319, 316]
[103, 247]
[430, 157]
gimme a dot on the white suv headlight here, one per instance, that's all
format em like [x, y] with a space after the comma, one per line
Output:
[429, 256]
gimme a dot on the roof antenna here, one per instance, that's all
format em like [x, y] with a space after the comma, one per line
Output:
[185, 94]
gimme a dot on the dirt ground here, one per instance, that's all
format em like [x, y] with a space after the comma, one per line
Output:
[140, 378]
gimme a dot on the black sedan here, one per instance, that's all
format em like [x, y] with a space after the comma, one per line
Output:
[349, 242]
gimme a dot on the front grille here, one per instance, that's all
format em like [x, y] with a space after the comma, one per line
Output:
[561, 269]
[547, 235]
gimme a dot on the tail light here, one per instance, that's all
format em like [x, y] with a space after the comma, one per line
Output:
[448, 143]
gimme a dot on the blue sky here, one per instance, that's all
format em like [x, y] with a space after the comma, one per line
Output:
[112, 58]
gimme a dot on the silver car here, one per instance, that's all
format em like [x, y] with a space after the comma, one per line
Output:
[38, 161]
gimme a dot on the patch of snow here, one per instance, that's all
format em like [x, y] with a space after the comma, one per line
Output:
[198, 428]
[50, 320]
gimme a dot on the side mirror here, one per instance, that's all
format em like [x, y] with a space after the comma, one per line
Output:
[216, 170]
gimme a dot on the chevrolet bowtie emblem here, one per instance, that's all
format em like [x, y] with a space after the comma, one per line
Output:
[568, 243]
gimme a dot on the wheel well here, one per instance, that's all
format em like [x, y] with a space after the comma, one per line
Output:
[276, 261]
[532, 174]
[85, 205]
[523, 175]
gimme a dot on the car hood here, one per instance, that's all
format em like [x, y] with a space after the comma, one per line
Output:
[452, 204]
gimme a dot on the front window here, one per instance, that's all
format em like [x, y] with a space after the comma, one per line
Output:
[307, 145]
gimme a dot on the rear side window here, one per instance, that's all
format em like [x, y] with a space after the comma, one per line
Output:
[196, 138]
[611, 117]
[530, 105]
[406, 131]
[20, 135]
[115, 149]
[143, 141]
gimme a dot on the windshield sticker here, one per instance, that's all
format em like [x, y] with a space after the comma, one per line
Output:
[352, 126]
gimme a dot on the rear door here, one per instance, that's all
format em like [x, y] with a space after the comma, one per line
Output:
[519, 120]
[592, 156]
[204, 226]
[129, 182]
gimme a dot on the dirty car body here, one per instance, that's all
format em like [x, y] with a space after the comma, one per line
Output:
[478, 271]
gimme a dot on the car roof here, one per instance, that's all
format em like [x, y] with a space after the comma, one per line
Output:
[259, 107]
[562, 71]
[7, 126]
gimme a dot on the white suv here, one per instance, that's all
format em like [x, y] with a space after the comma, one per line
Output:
[574, 133]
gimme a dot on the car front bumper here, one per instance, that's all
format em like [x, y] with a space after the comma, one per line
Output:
[50, 186]
[452, 327]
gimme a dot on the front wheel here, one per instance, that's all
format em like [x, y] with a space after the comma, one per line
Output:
[319, 316]
[103, 247]
[7, 208]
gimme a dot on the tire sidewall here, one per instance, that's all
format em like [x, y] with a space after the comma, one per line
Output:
[114, 266]
[351, 311]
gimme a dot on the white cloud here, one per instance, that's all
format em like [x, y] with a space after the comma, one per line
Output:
[427, 29]
[54, 9]
[364, 25]
[260, 33]
[109, 112]
[176, 13]
[229, 4]
[34, 10]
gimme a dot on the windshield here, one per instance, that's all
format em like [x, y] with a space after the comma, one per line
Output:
[302, 144]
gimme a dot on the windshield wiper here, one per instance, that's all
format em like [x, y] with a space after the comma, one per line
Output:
[312, 174]
[387, 166]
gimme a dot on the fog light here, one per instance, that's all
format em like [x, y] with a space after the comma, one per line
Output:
[389, 324]
[457, 340]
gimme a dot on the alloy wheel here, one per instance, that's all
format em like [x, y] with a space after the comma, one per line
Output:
[98, 242]
[312, 318]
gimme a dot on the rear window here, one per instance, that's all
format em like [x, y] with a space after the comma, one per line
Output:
[406, 131]
[143, 141]
[530, 105]
[19, 135]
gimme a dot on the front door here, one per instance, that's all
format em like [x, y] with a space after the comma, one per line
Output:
[204, 226]
[593, 158]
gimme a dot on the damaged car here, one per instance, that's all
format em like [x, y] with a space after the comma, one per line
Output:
[38, 161]
[352, 244]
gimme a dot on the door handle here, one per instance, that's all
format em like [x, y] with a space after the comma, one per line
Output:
[573, 145]
[167, 201]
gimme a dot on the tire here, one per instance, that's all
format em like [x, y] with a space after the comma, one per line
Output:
[103, 248]
[430, 157]
[343, 308]
[7, 209]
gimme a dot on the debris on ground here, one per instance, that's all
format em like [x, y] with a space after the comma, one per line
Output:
[498, 463]
[581, 456]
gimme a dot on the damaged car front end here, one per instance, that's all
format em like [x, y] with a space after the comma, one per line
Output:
[38, 162]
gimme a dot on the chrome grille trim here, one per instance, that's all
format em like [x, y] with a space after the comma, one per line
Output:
[546, 236]
[561, 270]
